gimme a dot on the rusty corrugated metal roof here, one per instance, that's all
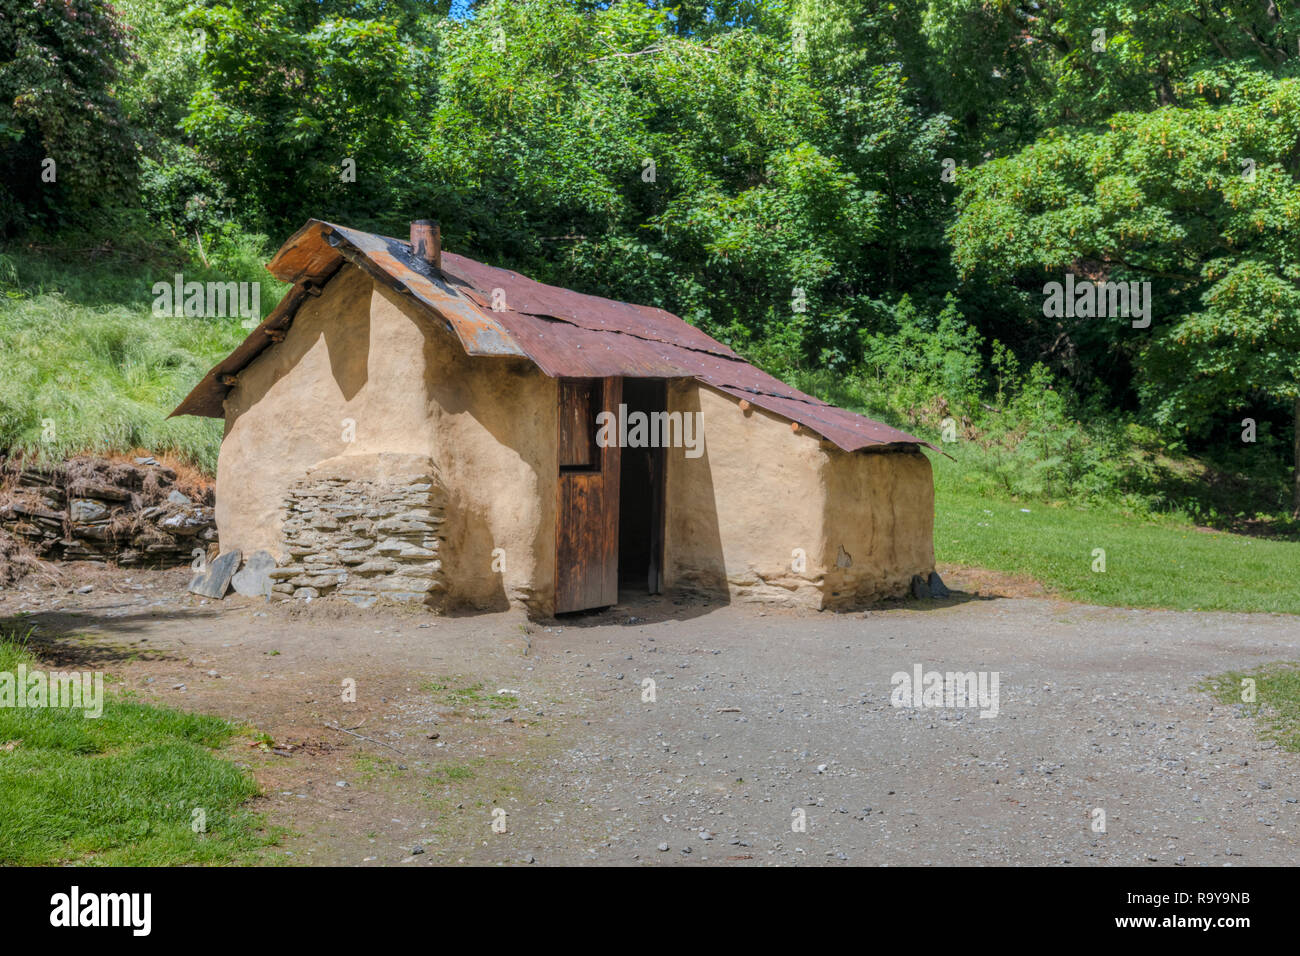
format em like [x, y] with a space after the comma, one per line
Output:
[496, 312]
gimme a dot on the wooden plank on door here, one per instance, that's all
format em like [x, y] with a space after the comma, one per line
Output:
[577, 587]
[577, 423]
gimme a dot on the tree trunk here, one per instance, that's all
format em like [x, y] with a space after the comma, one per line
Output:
[1295, 474]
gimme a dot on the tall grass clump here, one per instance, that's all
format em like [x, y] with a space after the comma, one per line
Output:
[89, 368]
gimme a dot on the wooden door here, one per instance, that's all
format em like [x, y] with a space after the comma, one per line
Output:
[586, 532]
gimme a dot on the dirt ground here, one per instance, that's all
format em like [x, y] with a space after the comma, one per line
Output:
[761, 718]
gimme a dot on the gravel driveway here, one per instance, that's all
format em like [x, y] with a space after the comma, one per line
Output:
[1097, 711]
[761, 722]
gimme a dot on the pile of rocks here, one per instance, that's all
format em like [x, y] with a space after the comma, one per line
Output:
[94, 509]
[364, 539]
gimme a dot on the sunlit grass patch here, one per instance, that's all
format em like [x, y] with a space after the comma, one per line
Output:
[90, 368]
[1149, 562]
[467, 696]
[1270, 693]
[140, 785]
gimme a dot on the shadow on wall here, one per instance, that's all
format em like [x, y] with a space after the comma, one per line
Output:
[347, 343]
[481, 589]
[349, 352]
[862, 558]
[693, 549]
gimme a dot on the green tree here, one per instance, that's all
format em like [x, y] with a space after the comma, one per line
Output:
[1012, 69]
[748, 177]
[306, 106]
[59, 61]
[1202, 202]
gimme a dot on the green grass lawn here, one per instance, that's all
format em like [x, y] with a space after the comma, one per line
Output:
[1276, 703]
[120, 789]
[1149, 562]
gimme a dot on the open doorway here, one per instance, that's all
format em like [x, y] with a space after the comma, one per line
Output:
[641, 496]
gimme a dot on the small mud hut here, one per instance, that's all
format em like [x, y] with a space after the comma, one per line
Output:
[410, 425]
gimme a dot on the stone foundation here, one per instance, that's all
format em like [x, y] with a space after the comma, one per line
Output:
[365, 538]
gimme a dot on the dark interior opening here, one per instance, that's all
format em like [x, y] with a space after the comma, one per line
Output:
[640, 498]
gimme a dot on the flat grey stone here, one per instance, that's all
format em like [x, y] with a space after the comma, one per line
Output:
[214, 579]
[937, 587]
[176, 498]
[254, 579]
[86, 509]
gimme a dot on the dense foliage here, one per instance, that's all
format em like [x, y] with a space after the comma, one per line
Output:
[869, 197]
[64, 140]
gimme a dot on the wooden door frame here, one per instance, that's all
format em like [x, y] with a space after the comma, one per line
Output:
[658, 506]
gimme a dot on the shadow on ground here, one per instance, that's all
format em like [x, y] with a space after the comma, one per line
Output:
[85, 637]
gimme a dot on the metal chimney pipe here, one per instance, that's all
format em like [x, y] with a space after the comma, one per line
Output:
[426, 241]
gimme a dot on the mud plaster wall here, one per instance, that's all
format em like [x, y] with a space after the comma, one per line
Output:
[879, 524]
[360, 353]
[736, 515]
[494, 428]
